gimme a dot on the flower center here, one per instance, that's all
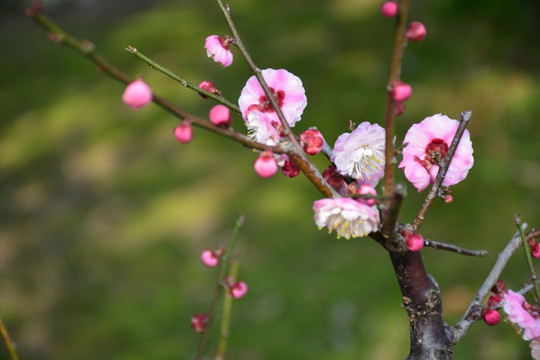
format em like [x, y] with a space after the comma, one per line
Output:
[366, 162]
[264, 103]
[436, 151]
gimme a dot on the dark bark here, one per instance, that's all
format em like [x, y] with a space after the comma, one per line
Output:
[422, 301]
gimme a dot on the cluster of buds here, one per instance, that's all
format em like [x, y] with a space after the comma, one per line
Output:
[490, 315]
[535, 247]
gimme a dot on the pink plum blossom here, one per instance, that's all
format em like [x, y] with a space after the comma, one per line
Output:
[535, 349]
[522, 314]
[360, 154]
[348, 217]
[218, 49]
[257, 111]
[183, 132]
[220, 115]
[137, 94]
[427, 143]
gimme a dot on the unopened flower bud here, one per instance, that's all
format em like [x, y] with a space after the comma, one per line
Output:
[265, 165]
[238, 290]
[414, 241]
[199, 323]
[498, 288]
[448, 198]
[290, 169]
[183, 132]
[401, 91]
[535, 250]
[220, 115]
[494, 300]
[491, 316]
[416, 31]
[210, 87]
[218, 49]
[366, 189]
[137, 94]
[389, 8]
[210, 258]
[335, 180]
[312, 141]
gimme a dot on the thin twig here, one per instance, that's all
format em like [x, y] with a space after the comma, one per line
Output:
[528, 256]
[443, 167]
[475, 307]
[453, 248]
[7, 339]
[390, 219]
[183, 82]
[224, 331]
[400, 43]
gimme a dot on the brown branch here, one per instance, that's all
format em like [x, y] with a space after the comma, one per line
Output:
[400, 43]
[453, 248]
[443, 167]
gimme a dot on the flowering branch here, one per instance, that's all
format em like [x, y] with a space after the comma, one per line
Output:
[219, 287]
[443, 167]
[183, 82]
[226, 314]
[400, 43]
[474, 310]
[7, 340]
[453, 248]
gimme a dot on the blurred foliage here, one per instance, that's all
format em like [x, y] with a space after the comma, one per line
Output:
[104, 215]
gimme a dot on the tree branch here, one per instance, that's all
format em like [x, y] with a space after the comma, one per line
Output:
[453, 248]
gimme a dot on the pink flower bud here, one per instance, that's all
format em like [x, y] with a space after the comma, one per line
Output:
[491, 316]
[401, 91]
[238, 290]
[312, 141]
[290, 169]
[137, 94]
[335, 180]
[218, 49]
[210, 258]
[498, 288]
[199, 323]
[416, 31]
[448, 199]
[183, 132]
[265, 165]
[494, 300]
[210, 87]
[366, 189]
[220, 115]
[389, 8]
[414, 241]
[535, 250]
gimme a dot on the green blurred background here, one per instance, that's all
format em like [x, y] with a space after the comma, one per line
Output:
[103, 215]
